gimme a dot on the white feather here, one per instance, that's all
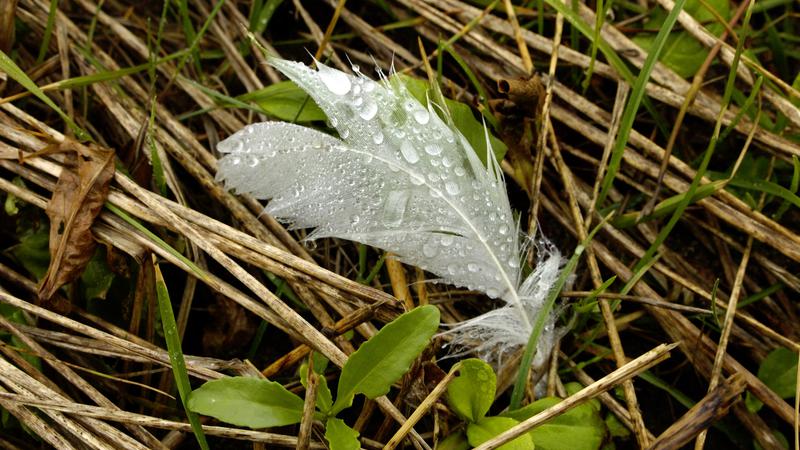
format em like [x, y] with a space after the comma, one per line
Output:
[401, 179]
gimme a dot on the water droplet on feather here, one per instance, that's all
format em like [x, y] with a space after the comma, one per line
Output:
[409, 152]
[452, 188]
[394, 209]
[368, 111]
[422, 116]
[433, 149]
[337, 82]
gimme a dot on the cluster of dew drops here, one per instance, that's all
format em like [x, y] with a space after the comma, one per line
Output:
[410, 135]
[359, 94]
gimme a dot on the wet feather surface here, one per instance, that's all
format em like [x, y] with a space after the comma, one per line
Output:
[400, 178]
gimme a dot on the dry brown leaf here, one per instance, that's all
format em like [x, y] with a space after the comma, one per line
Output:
[79, 196]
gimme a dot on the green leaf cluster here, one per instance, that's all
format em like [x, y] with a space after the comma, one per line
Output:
[371, 370]
[471, 394]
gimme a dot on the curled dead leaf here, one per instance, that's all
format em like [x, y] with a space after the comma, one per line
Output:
[79, 196]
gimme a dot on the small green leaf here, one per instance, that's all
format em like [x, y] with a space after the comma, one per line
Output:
[33, 251]
[489, 427]
[385, 357]
[15, 315]
[340, 436]
[682, 52]
[286, 101]
[471, 393]
[779, 372]
[580, 428]
[248, 402]
[616, 428]
[455, 441]
[97, 277]
[463, 119]
[12, 203]
[324, 398]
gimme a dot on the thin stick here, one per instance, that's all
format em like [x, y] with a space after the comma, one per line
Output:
[527, 63]
[148, 421]
[626, 372]
[421, 410]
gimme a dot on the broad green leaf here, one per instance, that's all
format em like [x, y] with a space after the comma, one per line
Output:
[286, 101]
[340, 436]
[455, 441]
[489, 427]
[573, 387]
[385, 357]
[471, 393]
[779, 372]
[324, 400]
[248, 402]
[580, 428]
[463, 119]
[683, 53]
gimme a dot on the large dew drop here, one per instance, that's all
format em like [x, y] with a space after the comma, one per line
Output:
[421, 116]
[394, 209]
[337, 82]
[409, 152]
[452, 188]
[433, 149]
[368, 110]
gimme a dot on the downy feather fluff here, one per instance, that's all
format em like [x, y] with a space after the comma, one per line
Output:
[402, 179]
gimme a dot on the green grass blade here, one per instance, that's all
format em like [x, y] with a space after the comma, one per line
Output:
[793, 186]
[196, 271]
[599, 17]
[260, 20]
[188, 29]
[745, 108]
[709, 152]
[570, 13]
[530, 348]
[173, 339]
[195, 41]
[48, 31]
[637, 94]
[8, 66]
[668, 206]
